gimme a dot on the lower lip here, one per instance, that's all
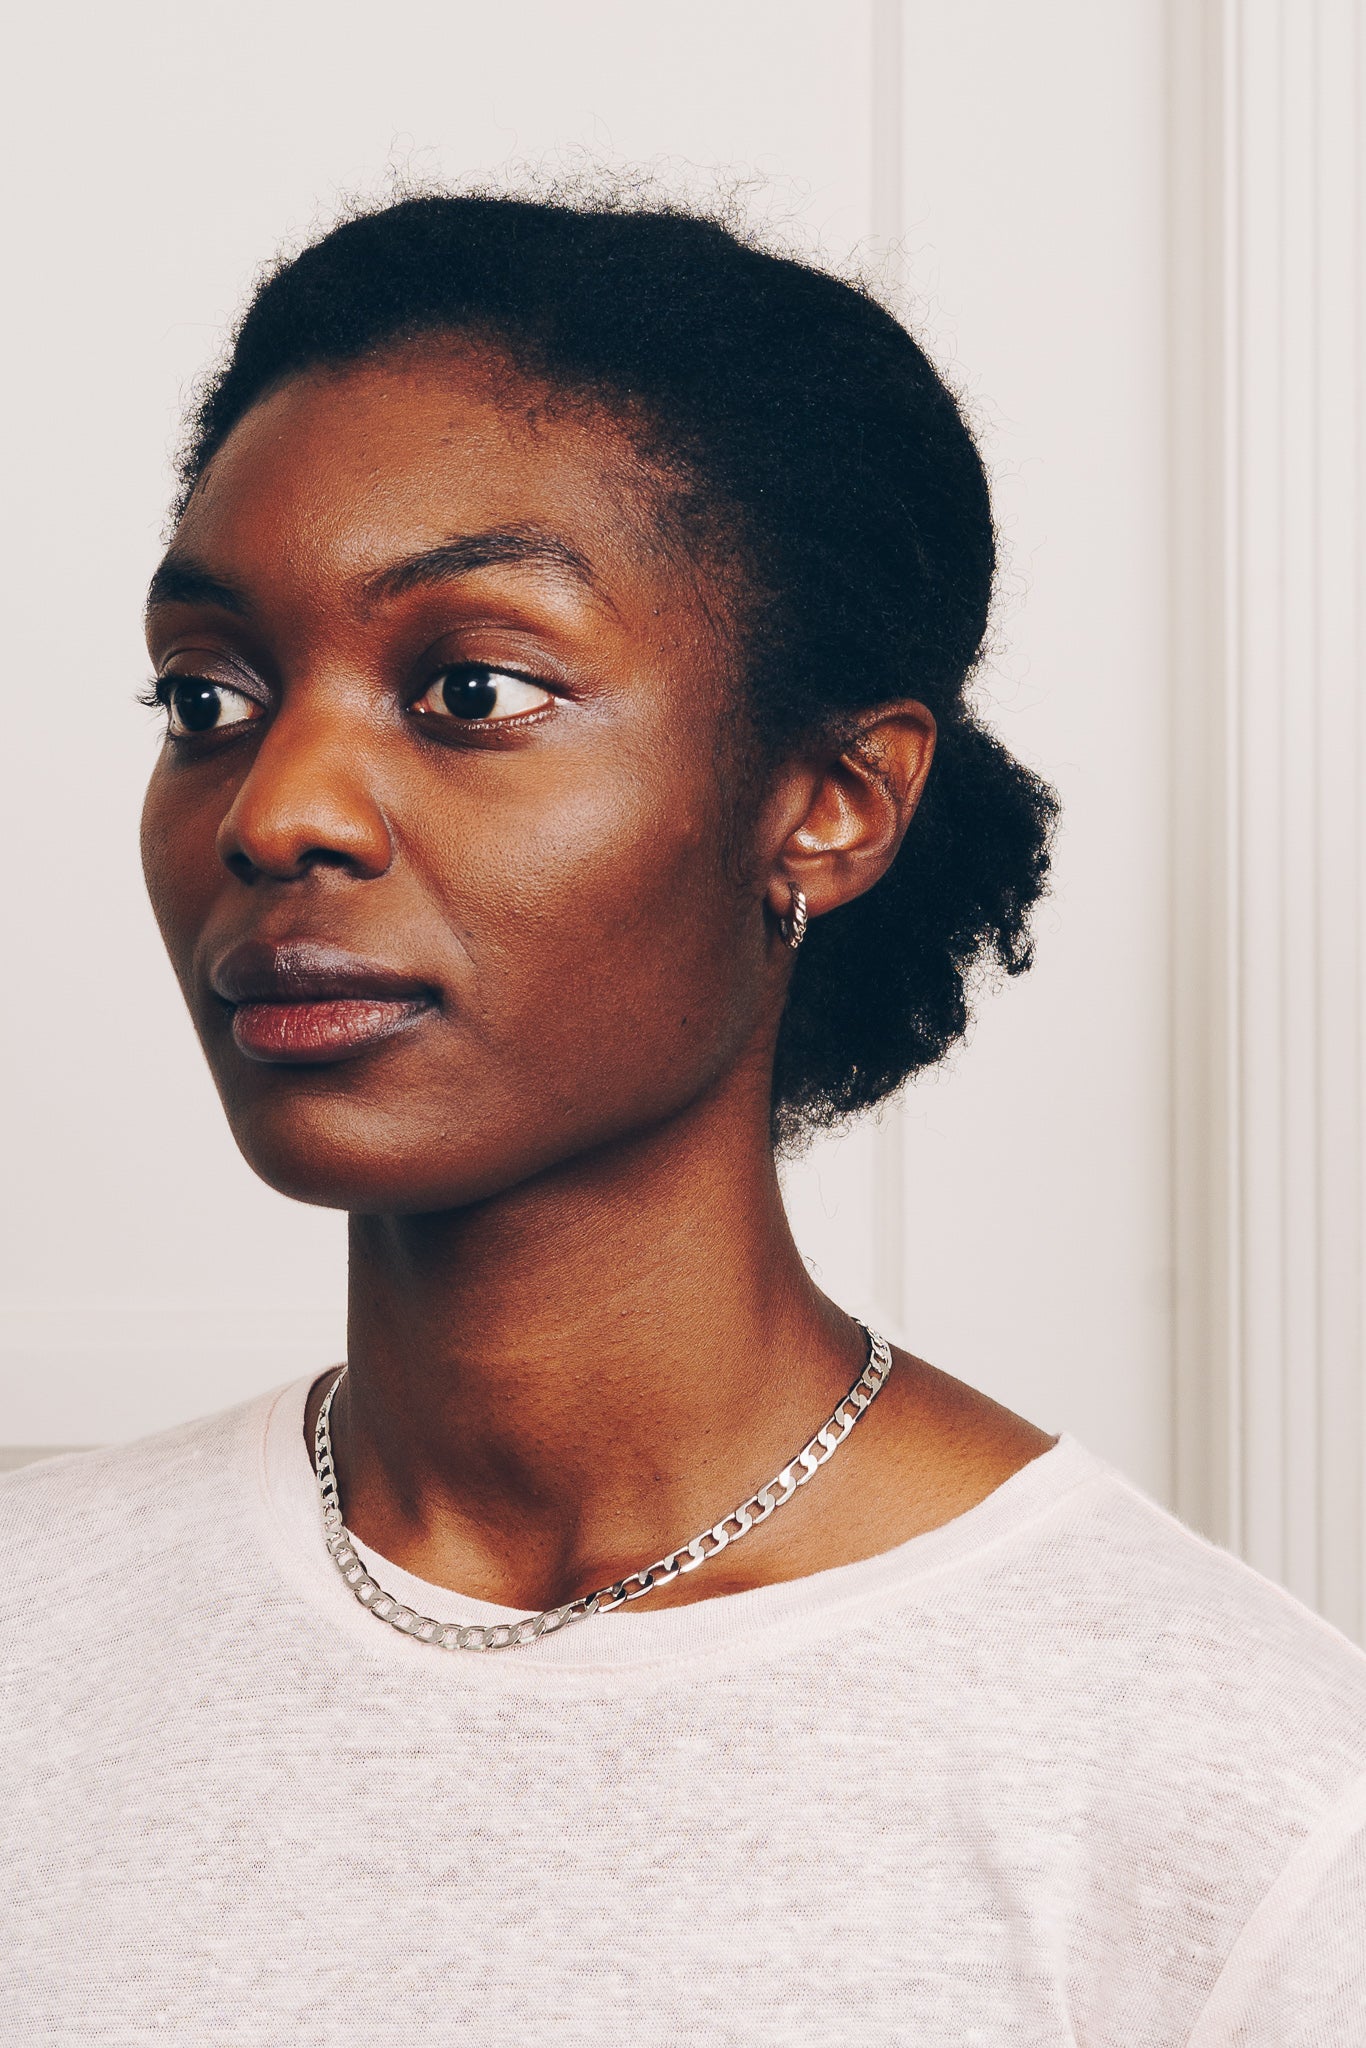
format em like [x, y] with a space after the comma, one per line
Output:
[303, 1034]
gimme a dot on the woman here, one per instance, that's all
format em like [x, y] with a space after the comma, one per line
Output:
[568, 794]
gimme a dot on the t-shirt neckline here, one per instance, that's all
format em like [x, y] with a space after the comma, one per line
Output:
[703, 1633]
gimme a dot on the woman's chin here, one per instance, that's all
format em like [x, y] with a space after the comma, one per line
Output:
[337, 1154]
[376, 1141]
[369, 1161]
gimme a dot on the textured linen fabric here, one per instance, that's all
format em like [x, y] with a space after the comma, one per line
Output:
[1058, 1772]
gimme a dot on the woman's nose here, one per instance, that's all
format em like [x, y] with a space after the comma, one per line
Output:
[307, 801]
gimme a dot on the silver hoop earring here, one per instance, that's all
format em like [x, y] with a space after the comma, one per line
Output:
[793, 926]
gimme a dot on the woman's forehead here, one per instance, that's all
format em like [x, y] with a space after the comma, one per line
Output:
[360, 468]
[349, 510]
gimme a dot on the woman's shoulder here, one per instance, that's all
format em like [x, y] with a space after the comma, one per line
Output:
[72, 1522]
[1184, 1592]
[1221, 1735]
[1097, 1575]
[1174, 1661]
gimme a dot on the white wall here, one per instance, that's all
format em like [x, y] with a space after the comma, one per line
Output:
[1268, 417]
[1013, 1222]
[1034, 1170]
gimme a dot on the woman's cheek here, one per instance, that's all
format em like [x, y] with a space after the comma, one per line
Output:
[180, 864]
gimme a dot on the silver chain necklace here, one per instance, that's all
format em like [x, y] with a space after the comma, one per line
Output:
[511, 1635]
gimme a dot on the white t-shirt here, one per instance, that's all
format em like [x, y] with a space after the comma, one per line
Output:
[1058, 1772]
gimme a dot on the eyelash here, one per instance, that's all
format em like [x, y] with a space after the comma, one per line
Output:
[158, 692]
[156, 696]
[473, 671]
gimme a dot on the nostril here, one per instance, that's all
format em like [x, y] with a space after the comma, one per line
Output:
[289, 868]
[303, 806]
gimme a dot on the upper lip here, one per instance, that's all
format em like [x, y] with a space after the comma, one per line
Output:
[308, 971]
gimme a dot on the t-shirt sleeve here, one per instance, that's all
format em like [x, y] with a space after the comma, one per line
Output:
[1296, 1976]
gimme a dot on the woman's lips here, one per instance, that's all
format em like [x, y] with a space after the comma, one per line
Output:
[298, 1033]
[301, 1001]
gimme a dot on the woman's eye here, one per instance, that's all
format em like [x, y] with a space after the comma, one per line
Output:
[471, 691]
[194, 704]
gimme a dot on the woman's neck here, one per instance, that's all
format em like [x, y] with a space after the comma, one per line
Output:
[554, 1386]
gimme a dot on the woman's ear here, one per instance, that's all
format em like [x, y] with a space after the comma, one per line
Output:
[835, 824]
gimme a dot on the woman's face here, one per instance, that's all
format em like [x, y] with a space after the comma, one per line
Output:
[439, 842]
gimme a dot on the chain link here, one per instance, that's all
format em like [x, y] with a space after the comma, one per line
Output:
[512, 1635]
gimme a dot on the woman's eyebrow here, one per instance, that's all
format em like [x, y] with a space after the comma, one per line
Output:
[464, 553]
[180, 579]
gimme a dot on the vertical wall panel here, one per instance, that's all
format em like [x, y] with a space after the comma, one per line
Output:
[1035, 1168]
[1272, 1425]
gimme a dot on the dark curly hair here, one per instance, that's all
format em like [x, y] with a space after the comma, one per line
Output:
[815, 433]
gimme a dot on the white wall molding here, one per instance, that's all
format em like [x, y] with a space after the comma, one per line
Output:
[1268, 269]
[1009, 1216]
[886, 214]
